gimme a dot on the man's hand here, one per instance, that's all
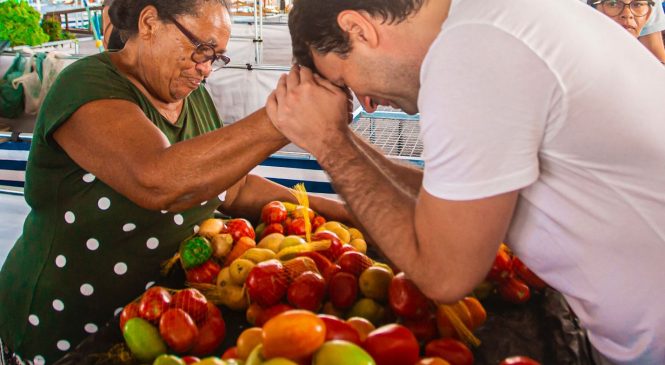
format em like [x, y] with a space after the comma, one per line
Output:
[310, 111]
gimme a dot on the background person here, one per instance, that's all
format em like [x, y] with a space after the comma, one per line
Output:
[127, 157]
[529, 135]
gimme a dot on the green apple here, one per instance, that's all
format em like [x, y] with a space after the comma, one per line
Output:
[341, 352]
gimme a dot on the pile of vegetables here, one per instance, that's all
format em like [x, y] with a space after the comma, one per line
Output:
[20, 24]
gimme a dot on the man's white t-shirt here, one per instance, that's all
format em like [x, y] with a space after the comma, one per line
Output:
[516, 96]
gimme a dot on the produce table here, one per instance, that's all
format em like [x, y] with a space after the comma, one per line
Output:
[543, 329]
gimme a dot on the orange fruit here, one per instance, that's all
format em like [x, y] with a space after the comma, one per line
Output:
[362, 325]
[248, 340]
[478, 313]
[294, 335]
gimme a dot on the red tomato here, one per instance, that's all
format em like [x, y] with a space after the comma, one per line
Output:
[307, 291]
[424, 329]
[154, 302]
[321, 261]
[336, 329]
[330, 271]
[267, 282]
[130, 311]
[271, 312]
[502, 268]
[432, 361]
[178, 329]
[343, 290]
[273, 212]
[213, 311]
[527, 275]
[295, 226]
[332, 253]
[392, 344]
[273, 228]
[317, 222]
[211, 335]
[453, 351]
[515, 291]
[191, 301]
[190, 359]
[205, 273]
[239, 228]
[353, 262]
[294, 334]
[519, 360]
[406, 299]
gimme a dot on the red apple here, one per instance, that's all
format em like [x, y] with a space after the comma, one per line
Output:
[154, 302]
[343, 290]
[333, 252]
[267, 283]
[406, 299]
[238, 228]
[211, 335]
[130, 311]
[392, 344]
[273, 212]
[178, 329]
[295, 226]
[191, 301]
[205, 273]
[354, 262]
[307, 291]
[273, 228]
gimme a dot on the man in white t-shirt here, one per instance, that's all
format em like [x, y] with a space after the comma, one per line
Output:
[533, 132]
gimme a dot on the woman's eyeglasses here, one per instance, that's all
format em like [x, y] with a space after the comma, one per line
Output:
[204, 52]
[639, 8]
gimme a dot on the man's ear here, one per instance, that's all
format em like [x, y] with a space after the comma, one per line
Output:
[360, 27]
[148, 21]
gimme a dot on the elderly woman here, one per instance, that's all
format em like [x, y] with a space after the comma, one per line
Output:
[631, 15]
[127, 157]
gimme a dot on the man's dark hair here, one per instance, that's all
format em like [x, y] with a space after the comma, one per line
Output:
[125, 14]
[313, 23]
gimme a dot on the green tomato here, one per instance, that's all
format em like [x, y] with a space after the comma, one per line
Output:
[341, 352]
[256, 356]
[143, 339]
[165, 359]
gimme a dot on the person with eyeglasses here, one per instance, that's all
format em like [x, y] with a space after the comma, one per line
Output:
[129, 154]
[644, 19]
[533, 134]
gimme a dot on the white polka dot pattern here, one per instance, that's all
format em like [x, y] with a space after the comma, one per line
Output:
[63, 345]
[90, 328]
[149, 284]
[33, 319]
[104, 203]
[204, 203]
[129, 227]
[58, 305]
[196, 228]
[87, 289]
[88, 177]
[60, 261]
[152, 243]
[39, 360]
[222, 196]
[117, 311]
[120, 268]
[178, 219]
[70, 217]
[92, 244]
[164, 211]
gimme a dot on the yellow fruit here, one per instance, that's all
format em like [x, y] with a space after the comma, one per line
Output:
[290, 207]
[224, 277]
[210, 227]
[257, 255]
[256, 356]
[359, 244]
[289, 253]
[337, 229]
[368, 309]
[290, 241]
[247, 341]
[211, 361]
[355, 233]
[234, 297]
[385, 266]
[239, 270]
[271, 242]
[374, 282]
[279, 361]
[221, 245]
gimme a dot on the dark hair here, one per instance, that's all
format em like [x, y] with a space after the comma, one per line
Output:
[313, 23]
[125, 14]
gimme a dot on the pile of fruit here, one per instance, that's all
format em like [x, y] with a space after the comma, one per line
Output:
[370, 313]
[182, 320]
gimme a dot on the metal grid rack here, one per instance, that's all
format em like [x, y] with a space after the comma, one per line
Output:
[396, 134]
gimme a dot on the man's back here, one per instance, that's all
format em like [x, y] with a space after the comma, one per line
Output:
[553, 98]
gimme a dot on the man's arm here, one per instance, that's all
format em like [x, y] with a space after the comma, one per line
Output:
[445, 247]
